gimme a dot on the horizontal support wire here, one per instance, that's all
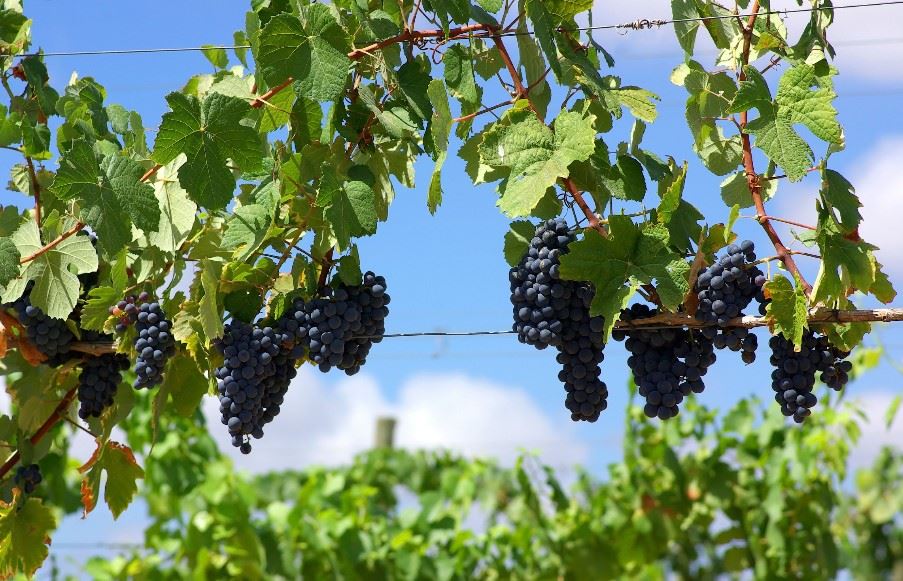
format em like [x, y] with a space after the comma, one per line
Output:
[661, 321]
[639, 24]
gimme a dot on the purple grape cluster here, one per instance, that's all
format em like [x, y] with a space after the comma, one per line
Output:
[97, 384]
[28, 477]
[551, 311]
[793, 377]
[668, 364]
[724, 290]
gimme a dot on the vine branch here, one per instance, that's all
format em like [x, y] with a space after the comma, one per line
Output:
[753, 181]
[58, 413]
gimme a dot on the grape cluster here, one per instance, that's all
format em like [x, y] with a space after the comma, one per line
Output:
[247, 377]
[580, 354]
[724, 290]
[28, 477]
[52, 337]
[339, 327]
[373, 301]
[97, 383]
[550, 311]
[667, 364]
[154, 341]
[541, 301]
[794, 375]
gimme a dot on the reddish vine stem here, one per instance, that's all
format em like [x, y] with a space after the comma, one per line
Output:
[262, 99]
[786, 221]
[407, 35]
[327, 266]
[752, 178]
[150, 173]
[53, 244]
[58, 413]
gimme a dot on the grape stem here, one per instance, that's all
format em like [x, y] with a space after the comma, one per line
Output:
[753, 180]
[58, 413]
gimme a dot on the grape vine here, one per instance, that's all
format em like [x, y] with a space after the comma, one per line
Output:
[241, 220]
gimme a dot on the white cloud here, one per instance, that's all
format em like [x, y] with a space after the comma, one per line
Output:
[866, 39]
[328, 424]
[879, 185]
[875, 433]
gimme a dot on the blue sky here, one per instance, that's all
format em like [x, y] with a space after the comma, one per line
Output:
[491, 395]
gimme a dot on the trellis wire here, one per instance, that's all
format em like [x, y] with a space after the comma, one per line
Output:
[639, 24]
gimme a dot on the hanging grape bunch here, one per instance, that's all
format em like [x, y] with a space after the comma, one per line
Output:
[154, 342]
[28, 477]
[724, 290]
[550, 311]
[668, 364]
[100, 377]
[52, 337]
[794, 375]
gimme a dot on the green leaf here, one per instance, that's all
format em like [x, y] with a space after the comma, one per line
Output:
[110, 193]
[565, 10]
[208, 134]
[350, 207]
[55, 271]
[847, 264]
[122, 473]
[9, 261]
[684, 11]
[802, 97]
[776, 137]
[640, 102]
[25, 527]
[752, 93]
[185, 384]
[517, 240]
[177, 212]
[311, 48]
[628, 251]
[440, 131]
[96, 310]
[536, 156]
[414, 82]
[840, 195]
[217, 56]
[462, 85]
[247, 227]
[679, 216]
[208, 306]
[350, 268]
[788, 310]
[277, 111]
[735, 190]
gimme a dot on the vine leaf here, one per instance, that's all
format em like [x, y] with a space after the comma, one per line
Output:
[735, 190]
[841, 195]
[536, 156]
[312, 48]
[802, 98]
[25, 528]
[208, 133]
[788, 310]
[517, 240]
[630, 251]
[847, 265]
[96, 310]
[208, 305]
[678, 215]
[9, 261]
[440, 130]
[110, 194]
[177, 211]
[123, 472]
[247, 226]
[55, 272]
[350, 207]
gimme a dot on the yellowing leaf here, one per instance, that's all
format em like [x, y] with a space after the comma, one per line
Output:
[123, 471]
